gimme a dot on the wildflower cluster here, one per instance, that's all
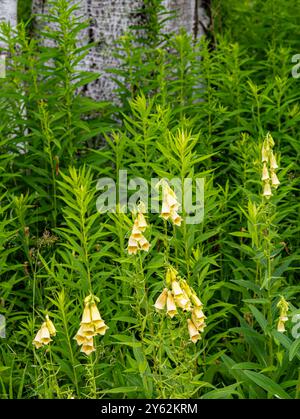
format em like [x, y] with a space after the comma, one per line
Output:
[283, 306]
[270, 165]
[91, 325]
[170, 205]
[137, 241]
[43, 336]
[179, 294]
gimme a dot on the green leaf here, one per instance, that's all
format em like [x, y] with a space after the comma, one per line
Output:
[267, 384]
[259, 317]
[294, 349]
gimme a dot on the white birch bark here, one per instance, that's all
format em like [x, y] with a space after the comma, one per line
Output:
[8, 11]
[111, 18]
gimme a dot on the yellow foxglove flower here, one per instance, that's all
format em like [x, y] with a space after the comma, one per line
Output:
[183, 302]
[141, 222]
[161, 301]
[274, 179]
[198, 318]
[50, 326]
[265, 172]
[88, 347]
[195, 300]
[171, 199]
[199, 323]
[171, 306]
[80, 337]
[176, 218]
[265, 152]
[177, 291]
[132, 246]
[86, 316]
[198, 313]
[200, 327]
[95, 314]
[144, 244]
[100, 327]
[273, 162]
[136, 232]
[165, 211]
[185, 287]
[267, 190]
[280, 326]
[87, 329]
[45, 334]
[37, 342]
[283, 306]
[193, 332]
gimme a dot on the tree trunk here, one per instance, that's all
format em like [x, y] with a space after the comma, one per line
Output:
[111, 18]
[8, 11]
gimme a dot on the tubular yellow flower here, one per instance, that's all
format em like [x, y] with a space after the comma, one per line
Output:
[267, 190]
[87, 329]
[280, 326]
[100, 327]
[183, 302]
[45, 334]
[141, 222]
[144, 244]
[176, 218]
[273, 162]
[95, 315]
[86, 316]
[80, 337]
[165, 211]
[132, 246]
[88, 347]
[283, 306]
[136, 232]
[193, 332]
[195, 300]
[171, 306]
[50, 326]
[186, 288]
[265, 153]
[37, 340]
[91, 325]
[198, 318]
[274, 179]
[177, 291]
[171, 199]
[265, 173]
[161, 301]
[198, 313]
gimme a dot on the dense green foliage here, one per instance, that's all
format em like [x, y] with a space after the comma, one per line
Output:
[185, 109]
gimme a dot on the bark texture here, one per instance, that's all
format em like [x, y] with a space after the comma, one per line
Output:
[111, 18]
[8, 11]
